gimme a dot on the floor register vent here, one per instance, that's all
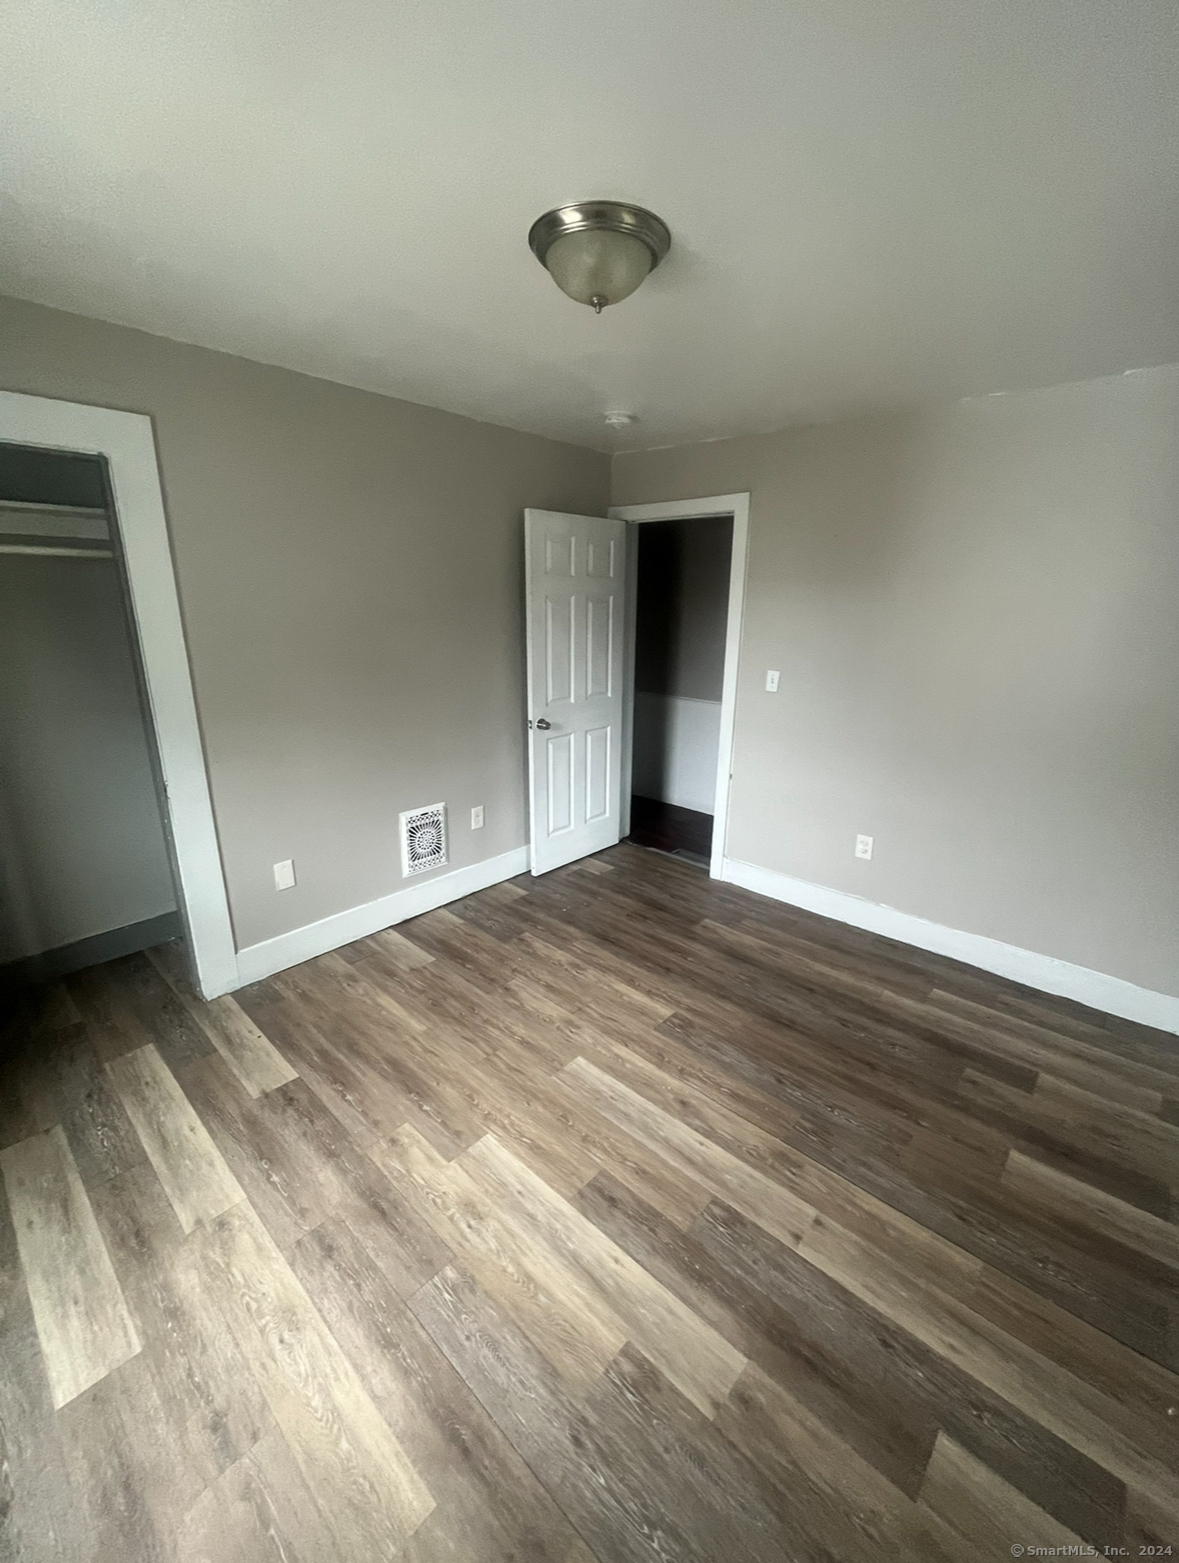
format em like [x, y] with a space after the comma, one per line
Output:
[423, 839]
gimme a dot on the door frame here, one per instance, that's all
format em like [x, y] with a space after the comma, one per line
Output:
[737, 506]
[126, 440]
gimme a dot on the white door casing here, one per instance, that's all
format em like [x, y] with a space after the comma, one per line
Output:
[575, 585]
[737, 506]
[127, 442]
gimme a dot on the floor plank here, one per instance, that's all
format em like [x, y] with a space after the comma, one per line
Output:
[694, 1154]
[210, 1408]
[489, 1504]
[567, 1319]
[1071, 1200]
[41, 1515]
[250, 1054]
[984, 1509]
[82, 1320]
[369, 1493]
[179, 1147]
[259, 1511]
[693, 1357]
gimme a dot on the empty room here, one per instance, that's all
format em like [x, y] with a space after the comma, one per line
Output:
[589, 781]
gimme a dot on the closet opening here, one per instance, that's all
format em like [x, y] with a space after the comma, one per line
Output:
[86, 871]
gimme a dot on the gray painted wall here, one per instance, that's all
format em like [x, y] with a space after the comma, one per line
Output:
[350, 571]
[81, 841]
[975, 610]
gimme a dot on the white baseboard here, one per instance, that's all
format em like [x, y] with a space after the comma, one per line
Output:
[304, 944]
[1111, 994]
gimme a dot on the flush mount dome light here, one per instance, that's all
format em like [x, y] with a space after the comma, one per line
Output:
[599, 251]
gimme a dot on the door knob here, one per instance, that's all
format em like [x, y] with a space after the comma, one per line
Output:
[543, 724]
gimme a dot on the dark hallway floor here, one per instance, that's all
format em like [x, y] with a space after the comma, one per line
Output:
[668, 828]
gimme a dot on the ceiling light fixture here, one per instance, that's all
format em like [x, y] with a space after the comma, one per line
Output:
[598, 252]
[620, 420]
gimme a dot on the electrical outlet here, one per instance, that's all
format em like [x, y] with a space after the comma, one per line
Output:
[772, 678]
[477, 817]
[864, 846]
[284, 875]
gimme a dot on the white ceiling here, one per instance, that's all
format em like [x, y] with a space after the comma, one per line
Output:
[872, 202]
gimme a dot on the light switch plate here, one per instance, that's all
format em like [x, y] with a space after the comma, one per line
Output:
[772, 678]
[284, 875]
[477, 817]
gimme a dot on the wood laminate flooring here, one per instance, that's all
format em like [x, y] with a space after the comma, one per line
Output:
[616, 1215]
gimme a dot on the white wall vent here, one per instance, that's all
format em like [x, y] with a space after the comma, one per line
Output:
[423, 839]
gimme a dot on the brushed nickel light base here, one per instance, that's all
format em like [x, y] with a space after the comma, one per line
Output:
[599, 217]
[615, 216]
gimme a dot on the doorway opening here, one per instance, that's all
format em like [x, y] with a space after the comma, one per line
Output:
[85, 867]
[582, 613]
[685, 599]
[682, 570]
[124, 444]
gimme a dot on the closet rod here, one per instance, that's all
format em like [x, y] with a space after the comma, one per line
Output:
[90, 512]
[57, 553]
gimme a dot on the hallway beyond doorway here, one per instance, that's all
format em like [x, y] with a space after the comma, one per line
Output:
[665, 827]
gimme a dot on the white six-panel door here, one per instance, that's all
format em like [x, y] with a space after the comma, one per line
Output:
[575, 594]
